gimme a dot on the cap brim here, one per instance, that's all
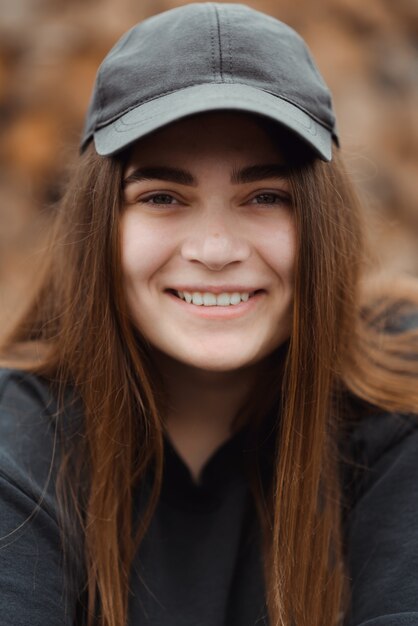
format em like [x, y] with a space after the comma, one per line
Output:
[151, 115]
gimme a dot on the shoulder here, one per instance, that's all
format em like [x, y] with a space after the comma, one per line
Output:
[20, 390]
[379, 516]
[377, 433]
[371, 445]
[26, 411]
[30, 429]
[29, 402]
[34, 588]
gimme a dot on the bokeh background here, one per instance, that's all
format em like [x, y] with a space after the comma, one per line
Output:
[367, 51]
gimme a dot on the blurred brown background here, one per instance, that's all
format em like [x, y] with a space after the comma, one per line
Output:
[367, 51]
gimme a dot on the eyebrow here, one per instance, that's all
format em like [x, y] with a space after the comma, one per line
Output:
[247, 174]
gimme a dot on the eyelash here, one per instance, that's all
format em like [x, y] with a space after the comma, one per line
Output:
[147, 199]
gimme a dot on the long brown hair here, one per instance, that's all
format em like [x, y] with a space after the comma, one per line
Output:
[79, 325]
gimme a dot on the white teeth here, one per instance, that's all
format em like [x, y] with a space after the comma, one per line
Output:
[223, 299]
[211, 299]
[197, 298]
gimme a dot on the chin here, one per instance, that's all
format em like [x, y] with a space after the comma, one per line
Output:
[219, 362]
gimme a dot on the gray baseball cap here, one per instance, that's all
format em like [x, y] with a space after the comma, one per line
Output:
[205, 57]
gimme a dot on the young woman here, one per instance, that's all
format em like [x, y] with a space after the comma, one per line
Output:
[206, 416]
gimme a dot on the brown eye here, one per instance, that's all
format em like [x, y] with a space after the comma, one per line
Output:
[271, 198]
[157, 198]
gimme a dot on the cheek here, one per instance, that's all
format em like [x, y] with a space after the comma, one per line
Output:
[280, 254]
[144, 249]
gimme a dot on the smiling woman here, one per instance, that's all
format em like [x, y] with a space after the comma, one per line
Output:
[219, 233]
[215, 243]
[207, 416]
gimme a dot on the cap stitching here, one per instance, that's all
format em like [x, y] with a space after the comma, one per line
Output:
[212, 48]
[100, 98]
[230, 52]
[164, 93]
[228, 37]
[310, 129]
[220, 46]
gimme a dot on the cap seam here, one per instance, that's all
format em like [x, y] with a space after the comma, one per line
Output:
[99, 97]
[164, 93]
[212, 48]
[228, 38]
[230, 49]
[220, 45]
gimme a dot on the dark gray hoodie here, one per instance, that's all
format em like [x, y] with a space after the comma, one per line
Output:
[200, 559]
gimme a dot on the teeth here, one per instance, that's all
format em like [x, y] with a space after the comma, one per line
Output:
[211, 299]
[197, 298]
[224, 299]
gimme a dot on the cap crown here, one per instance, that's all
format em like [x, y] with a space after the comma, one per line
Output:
[207, 43]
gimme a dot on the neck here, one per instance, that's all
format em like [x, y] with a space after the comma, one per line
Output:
[203, 399]
[200, 407]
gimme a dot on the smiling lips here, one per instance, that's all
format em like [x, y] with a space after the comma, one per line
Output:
[214, 298]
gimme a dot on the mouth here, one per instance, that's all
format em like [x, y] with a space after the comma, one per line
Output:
[219, 300]
[217, 310]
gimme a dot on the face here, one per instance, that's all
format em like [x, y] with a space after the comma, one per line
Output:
[208, 215]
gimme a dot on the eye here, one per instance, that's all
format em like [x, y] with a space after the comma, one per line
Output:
[270, 197]
[157, 198]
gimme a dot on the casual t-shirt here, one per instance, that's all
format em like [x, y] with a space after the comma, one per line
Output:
[200, 561]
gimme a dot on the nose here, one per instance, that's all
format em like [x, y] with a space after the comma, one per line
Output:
[215, 242]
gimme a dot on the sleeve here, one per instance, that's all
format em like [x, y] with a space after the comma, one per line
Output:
[32, 585]
[382, 525]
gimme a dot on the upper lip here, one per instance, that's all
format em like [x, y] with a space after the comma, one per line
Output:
[216, 288]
